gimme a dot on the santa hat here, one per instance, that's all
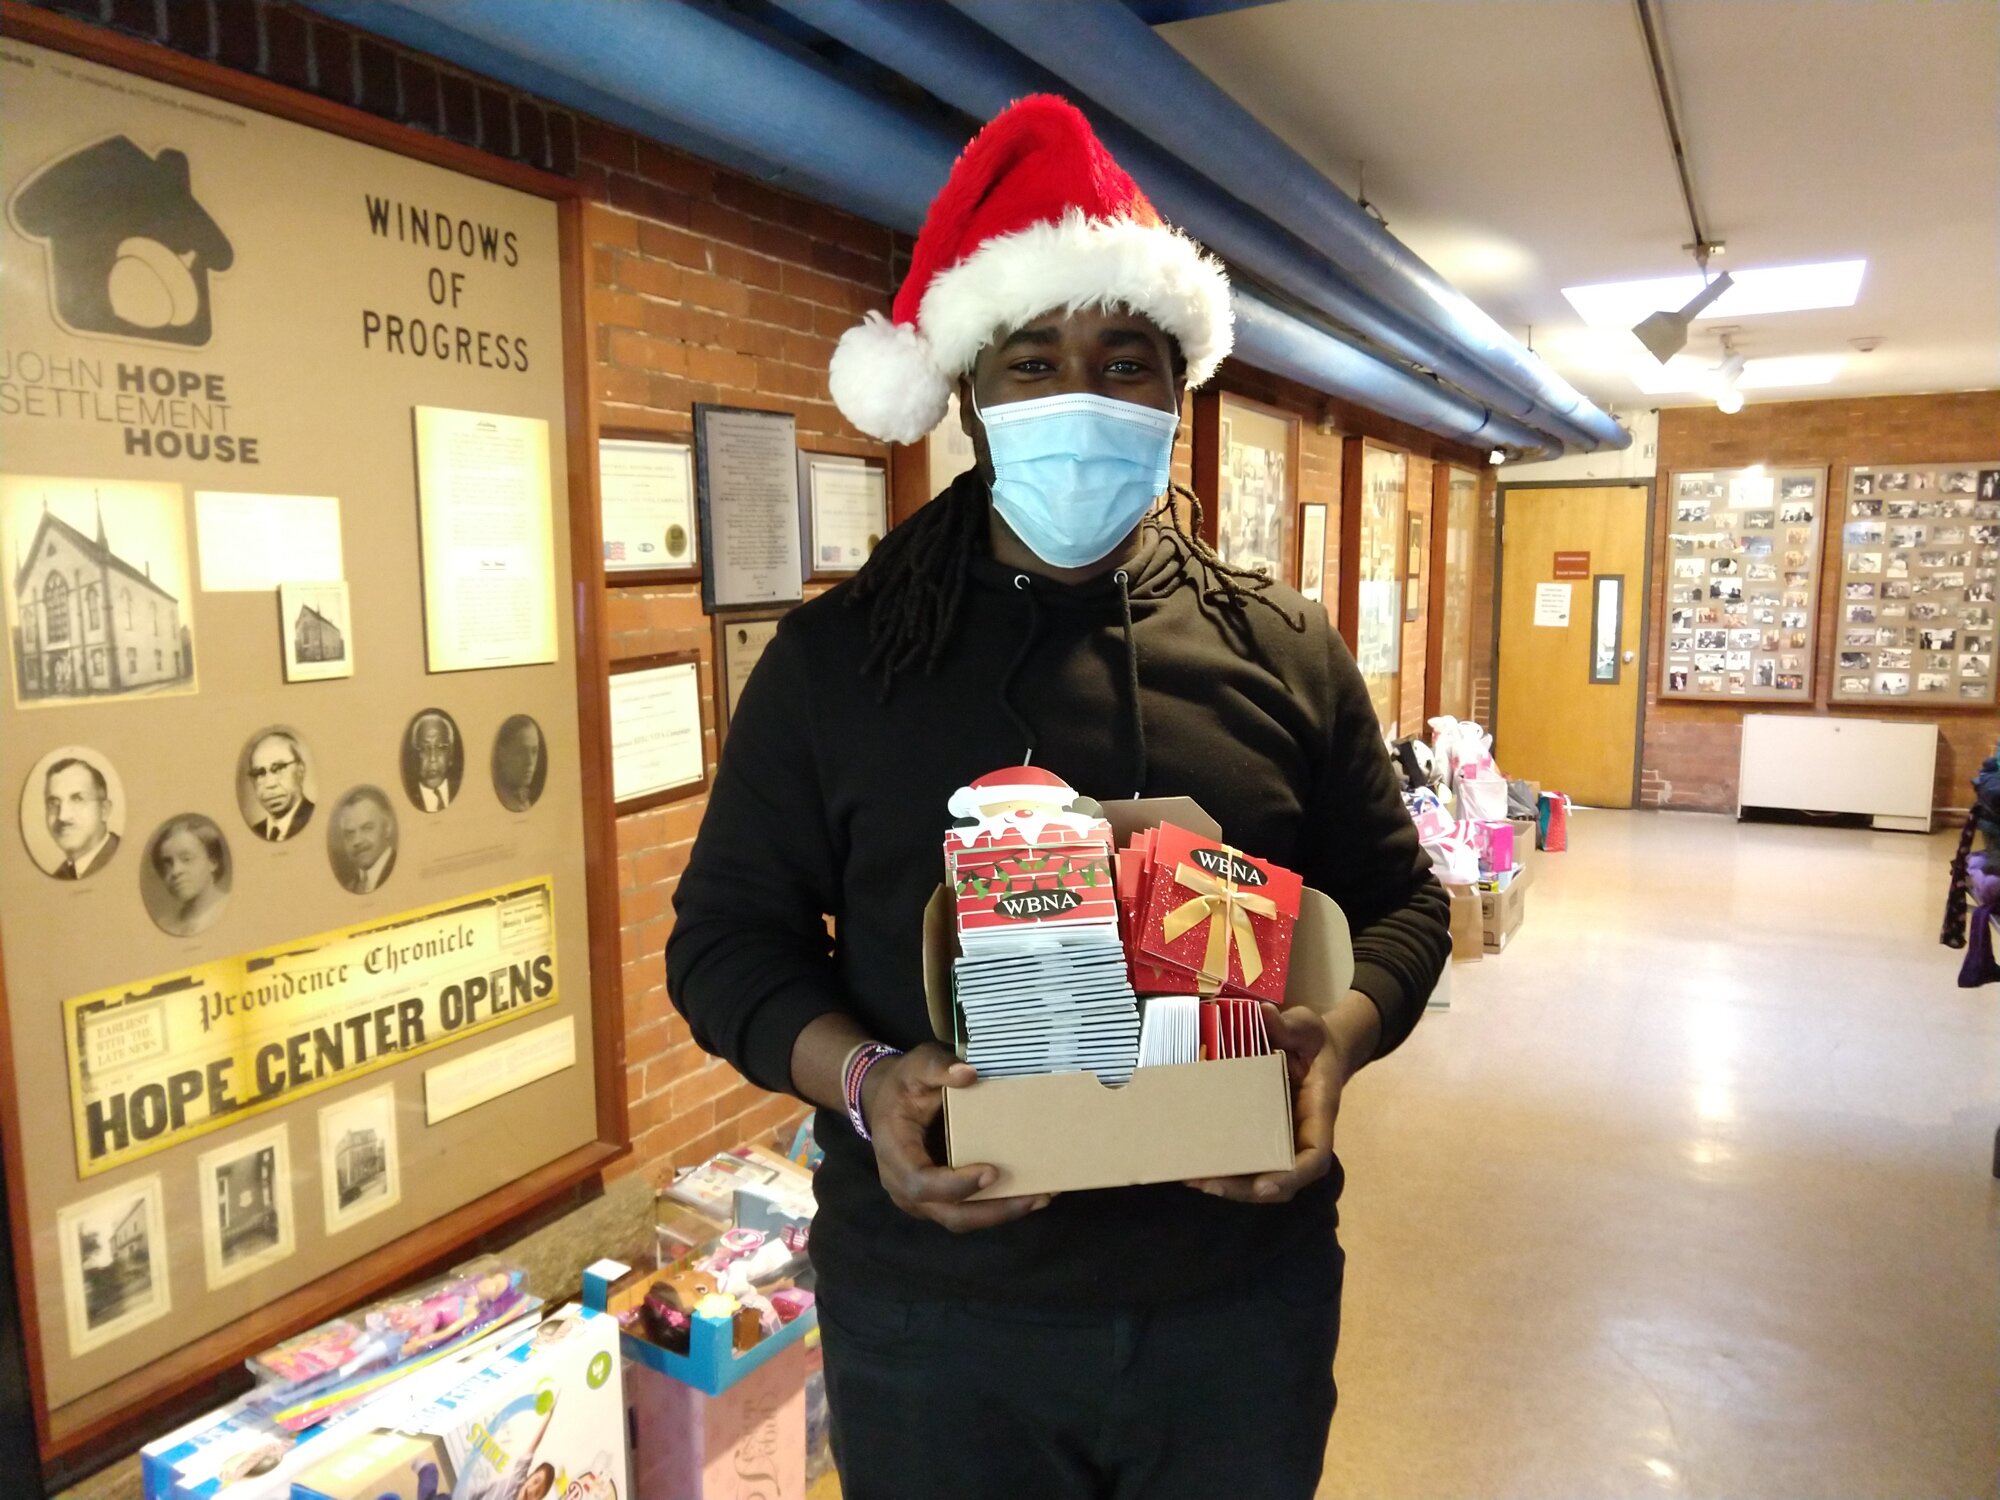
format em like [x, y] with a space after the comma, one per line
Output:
[1028, 785]
[1035, 216]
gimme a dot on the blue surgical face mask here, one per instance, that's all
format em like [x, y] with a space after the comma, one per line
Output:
[1072, 475]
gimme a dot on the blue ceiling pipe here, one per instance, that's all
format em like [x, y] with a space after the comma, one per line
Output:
[652, 67]
[955, 59]
[1111, 56]
[684, 74]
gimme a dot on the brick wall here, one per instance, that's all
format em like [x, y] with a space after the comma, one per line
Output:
[1689, 755]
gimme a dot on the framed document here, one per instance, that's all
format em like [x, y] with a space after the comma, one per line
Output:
[739, 645]
[646, 492]
[847, 512]
[656, 747]
[1312, 552]
[747, 479]
[489, 539]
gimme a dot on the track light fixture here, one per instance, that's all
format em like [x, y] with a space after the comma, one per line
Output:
[1665, 334]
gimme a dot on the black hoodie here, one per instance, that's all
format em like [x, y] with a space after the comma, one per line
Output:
[830, 802]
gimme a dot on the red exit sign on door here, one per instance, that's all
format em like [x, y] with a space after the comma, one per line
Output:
[1572, 565]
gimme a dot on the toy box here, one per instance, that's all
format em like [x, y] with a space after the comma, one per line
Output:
[545, 1421]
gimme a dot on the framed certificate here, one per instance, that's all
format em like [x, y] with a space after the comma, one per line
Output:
[846, 506]
[747, 482]
[739, 645]
[646, 493]
[657, 754]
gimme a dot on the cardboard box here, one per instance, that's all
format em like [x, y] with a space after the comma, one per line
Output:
[749, 1443]
[549, 1413]
[1468, 940]
[1500, 914]
[1065, 1132]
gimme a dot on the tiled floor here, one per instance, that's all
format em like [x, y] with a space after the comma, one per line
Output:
[1689, 1192]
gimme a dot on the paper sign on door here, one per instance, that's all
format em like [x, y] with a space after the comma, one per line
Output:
[1552, 604]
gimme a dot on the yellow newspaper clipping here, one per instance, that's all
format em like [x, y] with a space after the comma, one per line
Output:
[172, 1058]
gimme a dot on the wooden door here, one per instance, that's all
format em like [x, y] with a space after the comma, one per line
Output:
[1572, 633]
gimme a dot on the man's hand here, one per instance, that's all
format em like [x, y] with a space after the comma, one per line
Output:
[901, 1099]
[1319, 1071]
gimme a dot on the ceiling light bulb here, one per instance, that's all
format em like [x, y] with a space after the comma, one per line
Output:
[1497, 457]
[1730, 402]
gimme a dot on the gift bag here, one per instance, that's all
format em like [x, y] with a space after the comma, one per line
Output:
[1482, 799]
[1552, 823]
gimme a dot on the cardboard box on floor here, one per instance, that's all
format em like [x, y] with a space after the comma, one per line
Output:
[1500, 913]
[1065, 1132]
[1468, 939]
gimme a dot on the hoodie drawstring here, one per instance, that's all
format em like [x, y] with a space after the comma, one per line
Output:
[1132, 678]
[1022, 582]
[1028, 642]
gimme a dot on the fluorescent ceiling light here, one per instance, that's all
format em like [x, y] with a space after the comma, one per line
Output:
[1693, 375]
[1772, 289]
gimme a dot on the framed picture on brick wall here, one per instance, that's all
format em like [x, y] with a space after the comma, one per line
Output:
[1742, 585]
[1919, 553]
[301, 907]
[645, 488]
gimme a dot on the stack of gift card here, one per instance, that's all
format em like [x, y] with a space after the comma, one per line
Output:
[1041, 986]
[1201, 918]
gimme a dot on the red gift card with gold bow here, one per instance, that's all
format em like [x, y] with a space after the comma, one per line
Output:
[1218, 915]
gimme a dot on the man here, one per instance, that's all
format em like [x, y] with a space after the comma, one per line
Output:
[277, 771]
[364, 840]
[76, 804]
[517, 763]
[1144, 1342]
[430, 761]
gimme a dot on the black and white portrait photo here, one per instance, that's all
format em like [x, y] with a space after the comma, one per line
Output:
[1989, 484]
[1798, 487]
[246, 1196]
[96, 586]
[275, 786]
[72, 813]
[361, 840]
[520, 763]
[359, 1169]
[114, 1260]
[187, 875]
[433, 760]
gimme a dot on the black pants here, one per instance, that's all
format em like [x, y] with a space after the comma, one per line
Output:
[1224, 1398]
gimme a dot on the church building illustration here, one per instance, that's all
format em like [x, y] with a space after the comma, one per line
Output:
[89, 622]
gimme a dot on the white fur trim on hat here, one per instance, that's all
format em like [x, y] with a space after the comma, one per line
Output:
[885, 381]
[1151, 269]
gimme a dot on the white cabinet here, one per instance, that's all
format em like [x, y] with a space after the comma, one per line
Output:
[1883, 768]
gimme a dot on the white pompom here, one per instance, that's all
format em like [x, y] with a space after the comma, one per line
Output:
[885, 383]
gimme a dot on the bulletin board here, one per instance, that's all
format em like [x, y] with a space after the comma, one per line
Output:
[309, 942]
[1743, 548]
[1374, 507]
[1920, 547]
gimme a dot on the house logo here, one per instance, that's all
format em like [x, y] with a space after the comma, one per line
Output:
[129, 249]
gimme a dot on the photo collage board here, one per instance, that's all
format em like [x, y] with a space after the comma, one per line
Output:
[1742, 583]
[1920, 546]
[304, 969]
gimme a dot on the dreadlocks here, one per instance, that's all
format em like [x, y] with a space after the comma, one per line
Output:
[914, 582]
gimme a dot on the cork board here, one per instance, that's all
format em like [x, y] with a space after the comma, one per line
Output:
[1743, 548]
[1920, 548]
[223, 1010]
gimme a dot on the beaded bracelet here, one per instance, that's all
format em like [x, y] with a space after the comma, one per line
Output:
[852, 1075]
